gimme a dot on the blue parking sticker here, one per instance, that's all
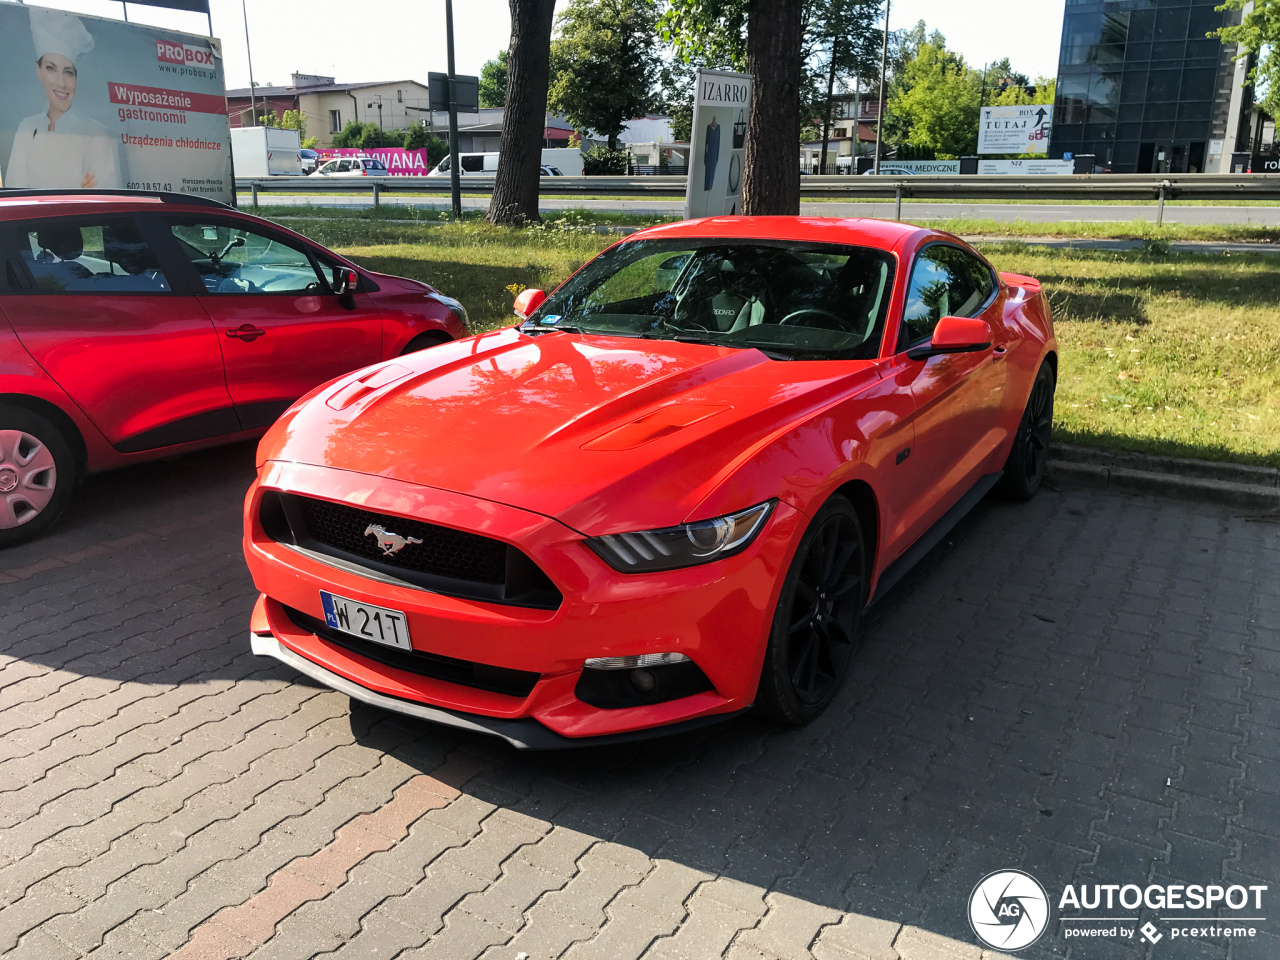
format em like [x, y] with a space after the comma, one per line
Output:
[551, 319]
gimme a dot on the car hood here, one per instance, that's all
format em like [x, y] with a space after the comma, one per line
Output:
[602, 433]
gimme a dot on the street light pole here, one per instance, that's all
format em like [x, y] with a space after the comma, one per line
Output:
[253, 108]
[884, 83]
[455, 180]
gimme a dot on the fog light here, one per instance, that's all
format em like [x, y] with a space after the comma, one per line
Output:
[643, 681]
[632, 663]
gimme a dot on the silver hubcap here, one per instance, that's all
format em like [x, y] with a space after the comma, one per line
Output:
[28, 477]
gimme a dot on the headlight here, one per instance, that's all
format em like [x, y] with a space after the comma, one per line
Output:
[684, 546]
[458, 309]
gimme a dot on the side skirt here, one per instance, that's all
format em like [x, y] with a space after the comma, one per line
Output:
[933, 536]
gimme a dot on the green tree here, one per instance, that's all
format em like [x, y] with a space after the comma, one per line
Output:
[765, 37]
[418, 137]
[1258, 32]
[366, 136]
[493, 81]
[603, 64]
[842, 43]
[933, 102]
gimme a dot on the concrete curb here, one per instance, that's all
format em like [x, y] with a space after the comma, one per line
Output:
[1256, 488]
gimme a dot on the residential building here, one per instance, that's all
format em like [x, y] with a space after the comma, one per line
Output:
[1144, 89]
[329, 105]
[848, 136]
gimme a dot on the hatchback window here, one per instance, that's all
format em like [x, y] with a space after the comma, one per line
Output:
[232, 259]
[344, 165]
[375, 165]
[88, 257]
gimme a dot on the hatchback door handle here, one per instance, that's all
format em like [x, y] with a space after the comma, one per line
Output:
[246, 332]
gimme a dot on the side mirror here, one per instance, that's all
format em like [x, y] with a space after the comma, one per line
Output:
[528, 301]
[955, 335]
[345, 281]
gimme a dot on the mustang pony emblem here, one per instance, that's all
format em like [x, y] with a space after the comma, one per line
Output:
[390, 543]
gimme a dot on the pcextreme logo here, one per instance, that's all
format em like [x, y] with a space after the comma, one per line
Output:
[1009, 910]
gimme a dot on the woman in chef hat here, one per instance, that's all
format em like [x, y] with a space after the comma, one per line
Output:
[60, 147]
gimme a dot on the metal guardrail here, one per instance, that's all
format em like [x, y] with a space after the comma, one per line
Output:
[1112, 186]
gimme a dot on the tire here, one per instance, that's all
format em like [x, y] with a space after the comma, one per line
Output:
[424, 341]
[1024, 470]
[37, 474]
[815, 626]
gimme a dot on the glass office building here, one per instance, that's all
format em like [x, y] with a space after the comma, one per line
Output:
[1143, 89]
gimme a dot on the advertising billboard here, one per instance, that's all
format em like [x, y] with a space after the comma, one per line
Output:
[1020, 129]
[87, 102]
[716, 153]
[398, 161]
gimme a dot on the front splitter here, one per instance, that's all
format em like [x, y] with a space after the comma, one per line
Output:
[523, 734]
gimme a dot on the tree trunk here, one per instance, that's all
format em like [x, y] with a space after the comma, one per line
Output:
[826, 114]
[771, 178]
[515, 188]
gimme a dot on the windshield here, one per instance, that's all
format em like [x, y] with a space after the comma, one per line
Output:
[796, 299]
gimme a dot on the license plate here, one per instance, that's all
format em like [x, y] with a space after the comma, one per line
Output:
[366, 621]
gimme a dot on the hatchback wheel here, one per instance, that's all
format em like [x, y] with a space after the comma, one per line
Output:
[1024, 470]
[37, 473]
[817, 619]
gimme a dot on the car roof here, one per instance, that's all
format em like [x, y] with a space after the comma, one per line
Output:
[17, 204]
[864, 231]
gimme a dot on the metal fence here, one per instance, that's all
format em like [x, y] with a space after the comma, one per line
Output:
[1152, 188]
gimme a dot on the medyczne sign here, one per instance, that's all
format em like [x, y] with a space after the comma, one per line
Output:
[89, 103]
[716, 151]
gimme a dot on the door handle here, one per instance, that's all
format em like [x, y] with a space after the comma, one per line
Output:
[999, 351]
[246, 332]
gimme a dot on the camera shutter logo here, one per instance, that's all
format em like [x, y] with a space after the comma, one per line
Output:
[1008, 910]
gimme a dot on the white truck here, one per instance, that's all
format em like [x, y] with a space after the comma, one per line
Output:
[568, 160]
[266, 152]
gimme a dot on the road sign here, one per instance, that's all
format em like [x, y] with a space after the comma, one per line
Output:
[1020, 129]
[467, 91]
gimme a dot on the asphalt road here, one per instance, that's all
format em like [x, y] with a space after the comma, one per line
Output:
[1086, 687]
[1036, 213]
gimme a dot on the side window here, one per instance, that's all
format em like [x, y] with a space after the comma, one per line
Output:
[233, 259]
[90, 257]
[945, 281]
[472, 164]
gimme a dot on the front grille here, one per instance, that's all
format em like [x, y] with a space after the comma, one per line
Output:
[443, 552]
[482, 676]
[436, 558]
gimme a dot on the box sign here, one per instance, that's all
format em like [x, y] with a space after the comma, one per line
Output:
[1025, 168]
[87, 102]
[1021, 129]
[717, 150]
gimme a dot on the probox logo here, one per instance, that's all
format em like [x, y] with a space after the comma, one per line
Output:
[1008, 910]
[183, 53]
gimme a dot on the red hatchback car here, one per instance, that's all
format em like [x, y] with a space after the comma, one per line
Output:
[137, 326]
[667, 496]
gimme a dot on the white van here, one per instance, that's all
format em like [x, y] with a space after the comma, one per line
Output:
[568, 160]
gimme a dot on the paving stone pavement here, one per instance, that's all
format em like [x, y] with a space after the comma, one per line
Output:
[1086, 687]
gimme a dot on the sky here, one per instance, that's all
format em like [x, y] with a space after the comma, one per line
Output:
[359, 40]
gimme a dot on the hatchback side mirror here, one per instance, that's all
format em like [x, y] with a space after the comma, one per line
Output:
[954, 335]
[345, 281]
[528, 301]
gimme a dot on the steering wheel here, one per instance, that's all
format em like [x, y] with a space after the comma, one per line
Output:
[835, 322]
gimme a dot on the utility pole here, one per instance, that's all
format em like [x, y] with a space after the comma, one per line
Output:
[253, 107]
[884, 83]
[455, 175]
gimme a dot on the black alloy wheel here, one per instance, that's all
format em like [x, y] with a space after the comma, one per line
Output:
[816, 624]
[1025, 468]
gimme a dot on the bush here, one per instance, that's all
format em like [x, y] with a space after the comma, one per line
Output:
[600, 161]
[420, 138]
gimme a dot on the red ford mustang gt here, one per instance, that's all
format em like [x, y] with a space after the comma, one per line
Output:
[665, 497]
[136, 326]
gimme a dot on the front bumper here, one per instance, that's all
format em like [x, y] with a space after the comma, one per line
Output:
[718, 614]
[523, 734]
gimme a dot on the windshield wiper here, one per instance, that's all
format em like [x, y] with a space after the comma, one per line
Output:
[531, 328]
